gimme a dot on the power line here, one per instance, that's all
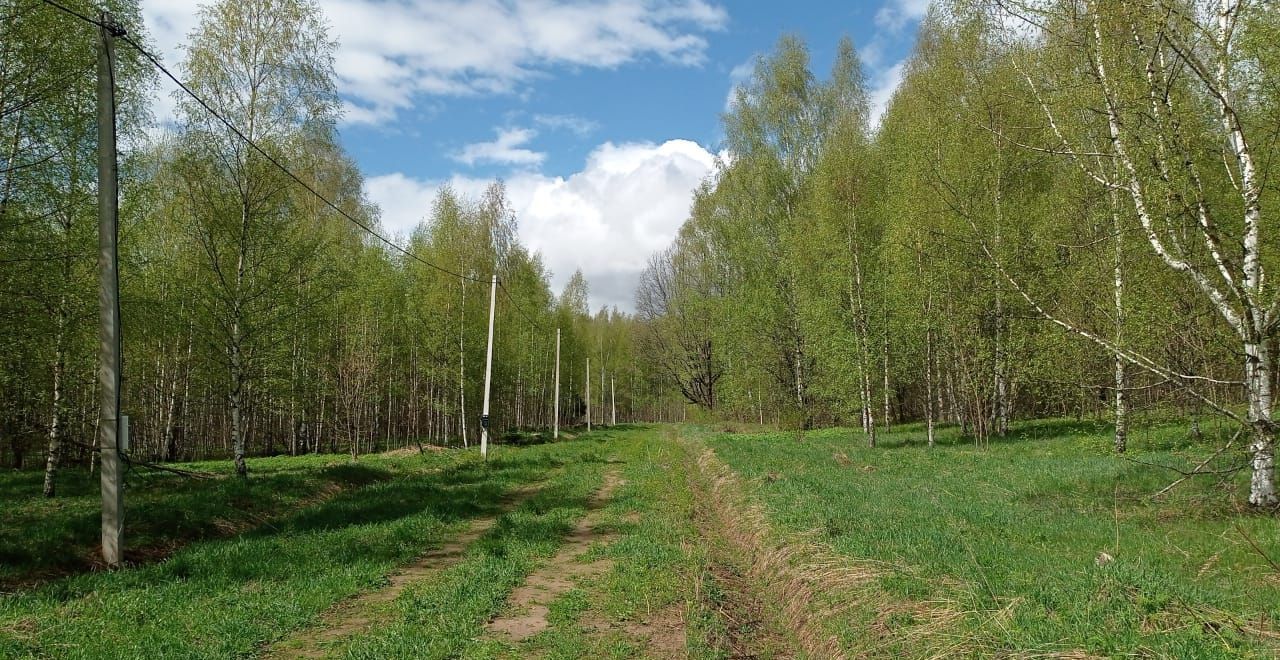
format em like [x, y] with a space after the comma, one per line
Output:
[119, 33]
[286, 170]
[82, 17]
[517, 307]
[234, 129]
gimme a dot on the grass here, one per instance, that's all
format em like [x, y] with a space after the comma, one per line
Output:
[230, 596]
[1011, 536]
[251, 563]
[44, 538]
[969, 551]
[654, 570]
[648, 522]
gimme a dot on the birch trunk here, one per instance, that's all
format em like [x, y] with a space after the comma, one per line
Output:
[1121, 374]
[888, 411]
[1258, 368]
[928, 369]
[56, 421]
[1000, 406]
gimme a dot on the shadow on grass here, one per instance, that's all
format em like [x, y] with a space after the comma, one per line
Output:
[45, 539]
[1168, 436]
[455, 493]
[41, 539]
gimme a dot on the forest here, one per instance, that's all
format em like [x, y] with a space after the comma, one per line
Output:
[1060, 213]
[263, 309]
[982, 367]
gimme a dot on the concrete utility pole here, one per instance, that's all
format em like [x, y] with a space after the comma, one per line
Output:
[555, 425]
[588, 395]
[109, 356]
[613, 401]
[488, 372]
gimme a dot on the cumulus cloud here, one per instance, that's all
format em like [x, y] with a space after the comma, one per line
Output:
[506, 149]
[392, 52]
[891, 20]
[627, 202]
[404, 201]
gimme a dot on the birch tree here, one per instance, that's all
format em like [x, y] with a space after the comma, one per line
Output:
[1188, 98]
[267, 67]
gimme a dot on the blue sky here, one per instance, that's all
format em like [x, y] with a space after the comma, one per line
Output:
[601, 116]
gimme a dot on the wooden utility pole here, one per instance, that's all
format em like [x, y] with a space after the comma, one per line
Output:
[555, 424]
[109, 356]
[588, 395]
[488, 372]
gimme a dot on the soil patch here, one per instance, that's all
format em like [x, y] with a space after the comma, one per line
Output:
[359, 613]
[528, 604]
[663, 632]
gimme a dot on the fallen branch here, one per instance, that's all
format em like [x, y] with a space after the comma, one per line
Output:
[1197, 470]
[193, 474]
[1256, 548]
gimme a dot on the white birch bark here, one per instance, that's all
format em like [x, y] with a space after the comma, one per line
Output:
[1234, 287]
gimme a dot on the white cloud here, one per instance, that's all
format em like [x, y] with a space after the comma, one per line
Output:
[892, 19]
[884, 84]
[392, 52]
[506, 149]
[404, 201]
[737, 76]
[579, 126]
[897, 14]
[628, 202]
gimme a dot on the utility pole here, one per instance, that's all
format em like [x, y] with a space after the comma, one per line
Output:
[488, 373]
[601, 340]
[588, 395]
[109, 356]
[613, 401]
[555, 424]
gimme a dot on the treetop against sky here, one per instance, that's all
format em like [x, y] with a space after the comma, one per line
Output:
[601, 117]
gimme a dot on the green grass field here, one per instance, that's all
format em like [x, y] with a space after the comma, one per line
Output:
[1011, 536]
[967, 551]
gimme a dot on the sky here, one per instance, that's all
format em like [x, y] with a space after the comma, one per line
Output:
[602, 117]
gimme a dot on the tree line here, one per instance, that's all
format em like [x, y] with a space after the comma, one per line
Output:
[259, 315]
[1060, 212]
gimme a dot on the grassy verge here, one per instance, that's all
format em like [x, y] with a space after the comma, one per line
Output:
[42, 539]
[229, 596]
[1013, 538]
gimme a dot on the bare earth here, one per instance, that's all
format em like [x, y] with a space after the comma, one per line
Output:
[528, 604]
[359, 613]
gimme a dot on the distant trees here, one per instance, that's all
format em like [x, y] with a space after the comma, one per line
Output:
[258, 319]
